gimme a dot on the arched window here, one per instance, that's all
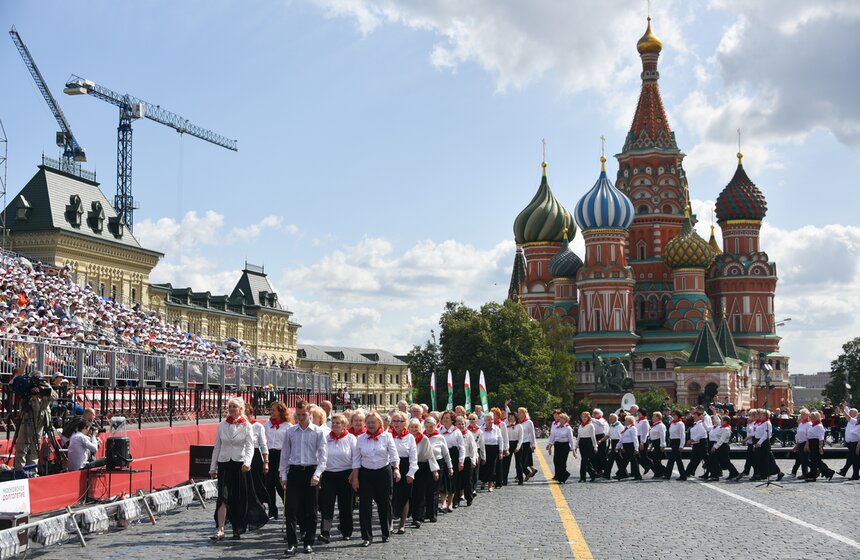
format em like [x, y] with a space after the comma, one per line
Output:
[778, 365]
[661, 363]
[646, 364]
[667, 208]
[587, 366]
[642, 209]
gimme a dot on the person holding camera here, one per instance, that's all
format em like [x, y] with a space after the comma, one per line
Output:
[82, 446]
[35, 415]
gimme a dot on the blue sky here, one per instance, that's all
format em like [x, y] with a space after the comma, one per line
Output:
[385, 147]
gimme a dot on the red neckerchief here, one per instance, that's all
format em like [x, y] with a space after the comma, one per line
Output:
[473, 428]
[486, 429]
[726, 425]
[253, 420]
[512, 426]
[676, 421]
[497, 421]
[435, 433]
[239, 420]
[402, 434]
[655, 424]
[342, 435]
[374, 436]
[464, 431]
[276, 423]
[419, 437]
[585, 424]
[352, 431]
[816, 423]
[447, 431]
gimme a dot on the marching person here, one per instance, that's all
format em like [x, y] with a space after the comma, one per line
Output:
[586, 442]
[408, 453]
[643, 428]
[503, 447]
[677, 439]
[560, 442]
[441, 454]
[493, 445]
[815, 450]
[372, 462]
[515, 434]
[335, 483]
[750, 461]
[852, 436]
[801, 460]
[356, 427]
[276, 426]
[699, 442]
[601, 426]
[475, 429]
[720, 458]
[628, 442]
[454, 442]
[527, 445]
[765, 462]
[231, 463]
[470, 448]
[657, 436]
[303, 460]
[426, 477]
[613, 435]
[260, 463]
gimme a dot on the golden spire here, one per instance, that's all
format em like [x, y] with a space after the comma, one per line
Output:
[564, 234]
[543, 163]
[707, 314]
[688, 210]
[649, 43]
[603, 153]
[740, 154]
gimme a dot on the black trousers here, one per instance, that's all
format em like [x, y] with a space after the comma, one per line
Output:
[699, 453]
[506, 462]
[750, 461]
[301, 505]
[817, 467]
[488, 469]
[721, 459]
[456, 482]
[420, 490]
[374, 485]
[675, 459]
[500, 469]
[431, 495]
[274, 489]
[466, 480]
[598, 462]
[765, 463]
[801, 460]
[629, 458]
[586, 457]
[335, 487]
[561, 449]
[524, 461]
[644, 460]
[402, 492]
[849, 460]
[655, 455]
[614, 458]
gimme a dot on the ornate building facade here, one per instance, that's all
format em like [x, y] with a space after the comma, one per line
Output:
[678, 311]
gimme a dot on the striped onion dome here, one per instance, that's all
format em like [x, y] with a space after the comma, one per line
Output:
[741, 199]
[544, 219]
[565, 263]
[688, 249]
[604, 206]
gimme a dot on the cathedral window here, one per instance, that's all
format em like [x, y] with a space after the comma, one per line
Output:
[661, 363]
[667, 209]
[641, 251]
[597, 322]
[758, 323]
[612, 254]
[647, 365]
[746, 304]
[599, 254]
[618, 320]
[643, 209]
[738, 325]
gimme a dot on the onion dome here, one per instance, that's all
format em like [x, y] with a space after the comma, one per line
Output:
[649, 43]
[604, 206]
[544, 219]
[713, 243]
[565, 263]
[741, 200]
[688, 249]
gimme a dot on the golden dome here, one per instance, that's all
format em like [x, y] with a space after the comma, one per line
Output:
[649, 43]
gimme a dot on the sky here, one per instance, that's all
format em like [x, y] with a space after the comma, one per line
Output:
[385, 147]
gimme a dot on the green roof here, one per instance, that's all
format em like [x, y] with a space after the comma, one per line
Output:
[725, 340]
[706, 351]
[663, 348]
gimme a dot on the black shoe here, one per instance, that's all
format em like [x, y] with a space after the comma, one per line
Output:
[637, 478]
[469, 502]
[682, 478]
[236, 535]
[325, 539]
[417, 524]
[432, 520]
[843, 472]
[291, 550]
[400, 531]
[782, 474]
[714, 479]
[854, 478]
[829, 477]
[308, 549]
[740, 477]
[384, 539]
[703, 476]
[365, 544]
[347, 537]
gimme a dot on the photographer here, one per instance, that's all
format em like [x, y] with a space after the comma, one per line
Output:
[81, 447]
[72, 425]
[34, 417]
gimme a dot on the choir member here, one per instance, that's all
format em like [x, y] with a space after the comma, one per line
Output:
[699, 442]
[643, 428]
[601, 426]
[470, 448]
[427, 475]
[720, 458]
[527, 444]
[408, 453]
[515, 432]
[260, 462]
[628, 443]
[450, 487]
[335, 484]
[852, 436]
[765, 462]
[503, 447]
[657, 436]
[559, 445]
[613, 435]
[372, 462]
[586, 443]
[677, 439]
[356, 427]
[815, 450]
[441, 454]
[801, 460]
[276, 426]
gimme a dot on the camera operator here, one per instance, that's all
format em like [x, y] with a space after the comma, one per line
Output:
[82, 446]
[72, 425]
[35, 415]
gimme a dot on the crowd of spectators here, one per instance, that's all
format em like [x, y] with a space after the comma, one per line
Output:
[43, 302]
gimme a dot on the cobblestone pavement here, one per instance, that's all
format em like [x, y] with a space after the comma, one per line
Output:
[648, 519]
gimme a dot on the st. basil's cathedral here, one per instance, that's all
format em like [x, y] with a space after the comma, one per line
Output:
[678, 311]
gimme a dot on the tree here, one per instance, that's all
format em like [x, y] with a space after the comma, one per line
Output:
[652, 399]
[423, 360]
[845, 369]
[559, 336]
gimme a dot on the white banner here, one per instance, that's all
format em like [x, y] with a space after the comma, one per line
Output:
[15, 496]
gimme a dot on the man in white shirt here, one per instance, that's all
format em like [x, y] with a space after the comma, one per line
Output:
[852, 437]
[303, 460]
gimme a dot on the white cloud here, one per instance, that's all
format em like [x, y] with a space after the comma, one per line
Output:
[169, 236]
[269, 222]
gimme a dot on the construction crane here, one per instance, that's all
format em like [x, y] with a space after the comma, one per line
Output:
[72, 151]
[130, 109]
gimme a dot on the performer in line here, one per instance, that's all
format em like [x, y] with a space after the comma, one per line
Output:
[643, 428]
[699, 442]
[527, 445]
[427, 475]
[303, 460]
[470, 448]
[629, 443]
[613, 435]
[657, 436]
[493, 445]
[375, 456]
[356, 427]
[586, 443]
[801, 460]
[231, 463]
[336, 483]
[720, 458]
[503, 447]
[601, 427]
[852, 436]
[815, 450]
[559, 445]
[750, 461]
[515, 434]
[454, 442]
[260, 462]
[677, 439]
[408, 453]
[475, 429]
[443, 458]
[765, 462]
[276, 426]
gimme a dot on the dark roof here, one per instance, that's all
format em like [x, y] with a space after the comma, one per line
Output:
[726, 341]
[254, 289]
[63, 201]
[346, 354]
[706, 351]
[518, 276]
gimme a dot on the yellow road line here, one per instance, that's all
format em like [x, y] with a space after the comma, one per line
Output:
[574, 536]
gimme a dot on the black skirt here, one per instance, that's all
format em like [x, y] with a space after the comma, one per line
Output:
[488, 468]
[402, 489]
[235, 489]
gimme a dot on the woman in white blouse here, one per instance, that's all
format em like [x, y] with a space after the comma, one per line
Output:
[260, 462]
[515, 434]
[276, 426]
[814, 448]
[527, 444]
[559, 444]
[470, 448]
[586, 442]
[450, 487]
[493, 443]
[441, 454]
[657, 439]
[335, 481]
[408, 453]
[231, 462]
[375, 455]
[426, 476]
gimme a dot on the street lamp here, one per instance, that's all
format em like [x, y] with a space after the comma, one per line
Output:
[765, 367]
